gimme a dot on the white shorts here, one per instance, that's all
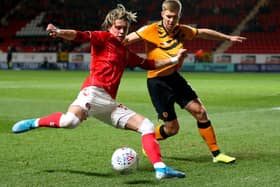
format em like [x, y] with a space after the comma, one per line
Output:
[100, 105]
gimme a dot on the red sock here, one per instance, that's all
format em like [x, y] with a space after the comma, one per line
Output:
[51, 120]
[151, 147]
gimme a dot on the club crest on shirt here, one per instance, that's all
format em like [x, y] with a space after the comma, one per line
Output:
[165, 114]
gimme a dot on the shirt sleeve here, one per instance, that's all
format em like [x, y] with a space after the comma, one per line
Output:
[83, 36]
[148, 33]
[137, 61]
[94, 37]
[190, 32]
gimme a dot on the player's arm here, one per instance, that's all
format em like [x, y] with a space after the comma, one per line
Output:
[173, 60]
[215, 35]
[133, 60]
[131, 38]
[66, 34]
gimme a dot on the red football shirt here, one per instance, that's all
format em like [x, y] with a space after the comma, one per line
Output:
[109, 58]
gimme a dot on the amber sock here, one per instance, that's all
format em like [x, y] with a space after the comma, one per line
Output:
[207, 132]
[160, 133]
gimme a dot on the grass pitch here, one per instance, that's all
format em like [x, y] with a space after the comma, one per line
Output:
[244, 109]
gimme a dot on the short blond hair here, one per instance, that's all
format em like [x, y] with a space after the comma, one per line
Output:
[118, 13]
[172, 5]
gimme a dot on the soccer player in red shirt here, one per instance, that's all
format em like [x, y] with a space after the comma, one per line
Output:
[97, 96]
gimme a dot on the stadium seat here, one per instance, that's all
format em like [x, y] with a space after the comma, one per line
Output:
[26, 25]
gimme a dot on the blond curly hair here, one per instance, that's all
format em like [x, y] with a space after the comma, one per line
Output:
[118, 13]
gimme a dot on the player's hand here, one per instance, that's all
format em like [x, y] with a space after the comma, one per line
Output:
[179, 59]
[238, 39]
[125, 41]
[181, 55]
[52, 30]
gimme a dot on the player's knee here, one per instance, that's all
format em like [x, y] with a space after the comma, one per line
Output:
[199, 110]
[146, 127]
[199, 113]
[173, 131]
[69, 120]
[172, 128]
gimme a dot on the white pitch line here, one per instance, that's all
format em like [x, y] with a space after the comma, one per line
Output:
[247, 111]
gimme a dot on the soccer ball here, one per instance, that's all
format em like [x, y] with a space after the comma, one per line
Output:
[124, 159]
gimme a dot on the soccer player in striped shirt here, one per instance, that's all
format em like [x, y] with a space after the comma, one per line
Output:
[163, 39]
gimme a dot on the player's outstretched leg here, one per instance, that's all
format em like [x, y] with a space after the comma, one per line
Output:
[24, 125]
[167, 172]
[54, 120]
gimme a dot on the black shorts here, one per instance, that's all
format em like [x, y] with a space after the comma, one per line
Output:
[168, 90]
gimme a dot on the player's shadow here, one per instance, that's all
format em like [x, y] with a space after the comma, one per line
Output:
[106, 175]
[199, 159]
[143, 182]
[85, 173]
[206, 158]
